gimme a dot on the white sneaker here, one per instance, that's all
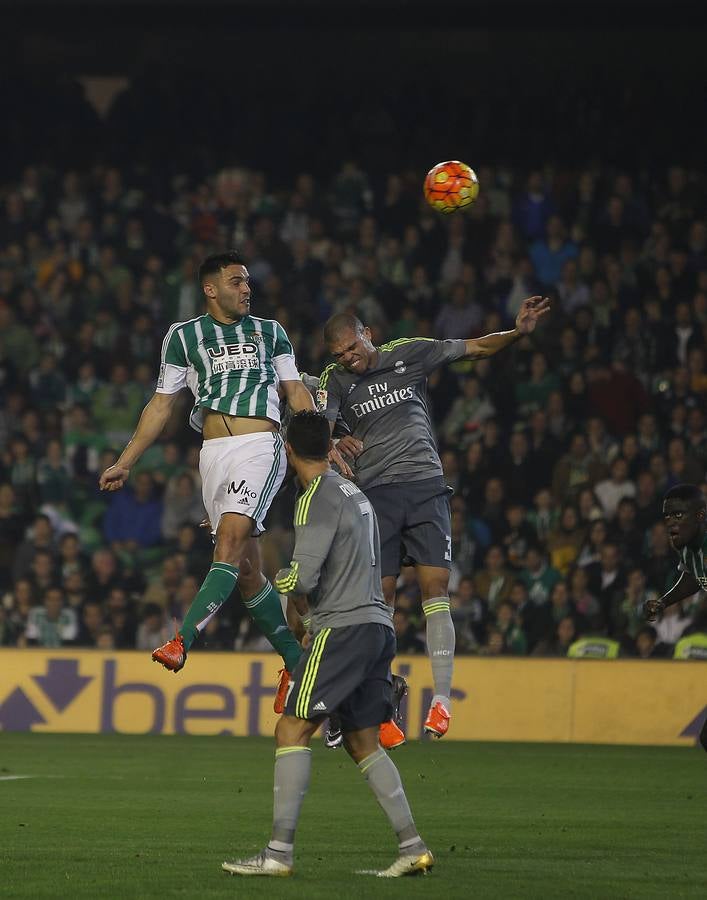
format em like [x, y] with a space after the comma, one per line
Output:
[419, 864]
[261, 864]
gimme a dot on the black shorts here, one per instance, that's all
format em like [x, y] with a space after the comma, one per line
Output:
[414, 520]
[346, 670]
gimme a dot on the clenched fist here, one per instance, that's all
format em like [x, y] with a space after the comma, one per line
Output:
[652, 609]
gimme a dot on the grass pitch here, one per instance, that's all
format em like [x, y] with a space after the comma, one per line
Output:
[139, 816]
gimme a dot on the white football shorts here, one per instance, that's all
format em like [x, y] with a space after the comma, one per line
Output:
[242, 474]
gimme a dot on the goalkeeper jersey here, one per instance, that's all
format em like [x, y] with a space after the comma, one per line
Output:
[233, 369]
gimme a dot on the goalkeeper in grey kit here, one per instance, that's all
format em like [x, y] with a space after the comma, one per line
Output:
[346, 666]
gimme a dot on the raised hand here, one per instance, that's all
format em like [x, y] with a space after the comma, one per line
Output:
[531, 310]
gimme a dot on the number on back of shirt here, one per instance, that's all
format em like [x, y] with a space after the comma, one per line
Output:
[367, 512]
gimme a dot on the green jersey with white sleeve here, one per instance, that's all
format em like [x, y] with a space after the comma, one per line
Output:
[230, 368]
[694, 562]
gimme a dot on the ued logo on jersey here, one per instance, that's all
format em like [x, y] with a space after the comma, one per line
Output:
[232, 350]
[321, 399]
[231, 357]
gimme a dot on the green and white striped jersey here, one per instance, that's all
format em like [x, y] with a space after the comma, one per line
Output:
[233, 369]
[694, 562]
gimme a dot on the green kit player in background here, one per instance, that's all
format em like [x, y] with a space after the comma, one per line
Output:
[233, 363]
[346, 666]
[380, 395]
[685, 516]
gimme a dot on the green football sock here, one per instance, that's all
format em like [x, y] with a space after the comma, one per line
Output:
[213, 593]
[265, 609]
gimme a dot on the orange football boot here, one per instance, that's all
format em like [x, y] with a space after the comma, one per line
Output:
[283, 683]
[437, 721]
[390, 735]
[172, 655]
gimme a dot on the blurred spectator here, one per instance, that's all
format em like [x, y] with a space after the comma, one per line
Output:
[406, 634]
[468, 412]
[532, 208]
[533, 394]
[565, 540]
[516, 469]
[607, 579]
[590, 551]
[103, 576]
[647, 645]
[514, 640]
[538, 576]
[576, 469]
[8, 631]
[170, 585]
[52, 624]
[564, 635]
[610, 491]
[625, 531]
[12, 524]
[121, 618]
[493, 582]
[133, 517]
[583, 601]
[116, 406]
[152, 631]
[182, 505]
[550, 253]
[90, 624]
[517, 535]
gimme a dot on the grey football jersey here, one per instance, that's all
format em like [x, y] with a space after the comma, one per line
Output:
[336, 556]
[386, 409]
[311, 382]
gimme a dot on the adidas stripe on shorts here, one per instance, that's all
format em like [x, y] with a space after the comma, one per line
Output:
[346, 670]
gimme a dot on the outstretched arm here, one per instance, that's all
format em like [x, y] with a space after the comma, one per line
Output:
[531, 311]
[153, 419]
[685, 587]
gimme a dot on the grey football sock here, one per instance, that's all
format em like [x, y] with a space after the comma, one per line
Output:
[292, 768]
[440, 646]
[384, 779]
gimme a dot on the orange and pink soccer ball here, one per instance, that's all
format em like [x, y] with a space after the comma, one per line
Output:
[450, 186]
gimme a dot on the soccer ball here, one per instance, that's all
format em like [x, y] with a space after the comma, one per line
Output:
[450, 186]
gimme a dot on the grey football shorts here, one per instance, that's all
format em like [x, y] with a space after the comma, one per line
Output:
[345, 670]
[415, 521]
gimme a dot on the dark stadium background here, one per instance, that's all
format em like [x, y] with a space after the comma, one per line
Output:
[477, 74]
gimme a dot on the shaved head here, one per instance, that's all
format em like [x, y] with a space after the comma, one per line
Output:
[340, 324]
[349, 342]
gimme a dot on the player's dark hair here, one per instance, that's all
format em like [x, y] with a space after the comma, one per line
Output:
[309, 434]
[217, 261]
[338, 324]
[688, 492]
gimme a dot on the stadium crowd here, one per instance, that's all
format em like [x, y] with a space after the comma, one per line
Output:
[559, 450]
